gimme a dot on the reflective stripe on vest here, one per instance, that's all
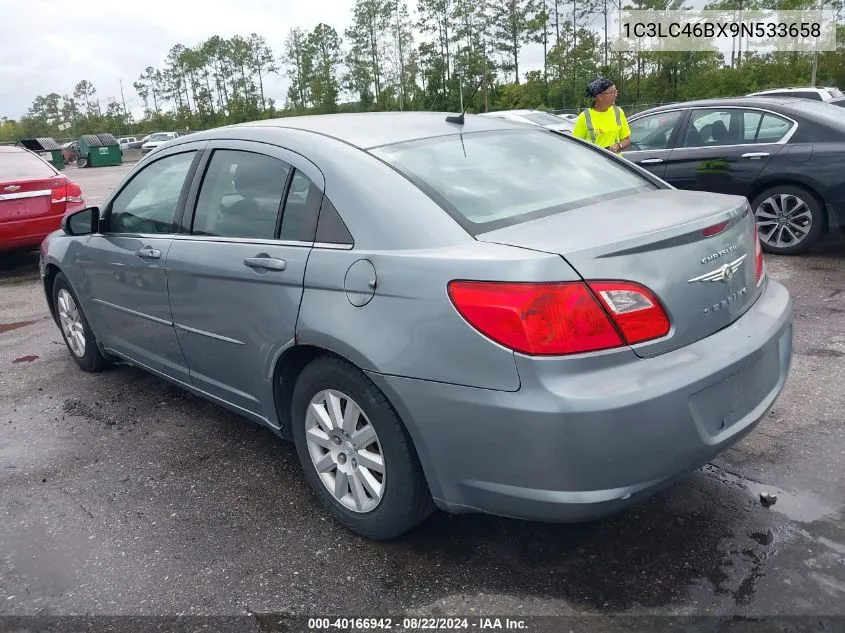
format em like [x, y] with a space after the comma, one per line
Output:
[589, 121]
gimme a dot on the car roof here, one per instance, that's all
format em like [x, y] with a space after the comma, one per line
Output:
[11, 148]
[748, 101]
[372, 129]
[792, 89]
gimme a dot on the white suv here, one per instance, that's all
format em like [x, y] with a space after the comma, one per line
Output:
[822, 93]
[156, 139]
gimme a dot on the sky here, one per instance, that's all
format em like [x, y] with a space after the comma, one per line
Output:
[49, 45]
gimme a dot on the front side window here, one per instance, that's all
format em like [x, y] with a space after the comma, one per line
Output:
[148, 203]
[492, 179]
[241, 195]
[654, 131]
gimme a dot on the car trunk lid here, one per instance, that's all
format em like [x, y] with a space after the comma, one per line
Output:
[25, 199]
[679, 244]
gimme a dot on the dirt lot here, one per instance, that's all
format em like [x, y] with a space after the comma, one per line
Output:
[120, 494]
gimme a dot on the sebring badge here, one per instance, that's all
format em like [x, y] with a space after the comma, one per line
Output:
[723, 273]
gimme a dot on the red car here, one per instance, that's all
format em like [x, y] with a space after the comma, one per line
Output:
[34, 197]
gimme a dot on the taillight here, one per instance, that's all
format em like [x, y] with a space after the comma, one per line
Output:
[68, 192]
[636, 311]
[559, 318]
[74, 193]
[759, 264]
[59, 195]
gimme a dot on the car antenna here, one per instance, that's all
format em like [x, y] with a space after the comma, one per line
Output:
[459, 119]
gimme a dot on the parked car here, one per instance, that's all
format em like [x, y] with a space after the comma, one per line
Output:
[70, 152]
[513, 321]
[534, 117]
[138, 144]
[787, 156]
[827, 94]
[159, 138]
[34, 197]
[125, 141]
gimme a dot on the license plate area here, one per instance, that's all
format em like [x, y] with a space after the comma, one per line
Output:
[718, 407]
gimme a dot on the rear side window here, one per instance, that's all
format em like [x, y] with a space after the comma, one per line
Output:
[487, 180]
[241, 195]
[23, 166]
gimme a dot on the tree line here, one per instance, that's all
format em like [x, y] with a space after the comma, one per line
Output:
[385, 60]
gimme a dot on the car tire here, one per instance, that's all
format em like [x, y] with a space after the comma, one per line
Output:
[75, 329]
[809, 221]
[378, 435]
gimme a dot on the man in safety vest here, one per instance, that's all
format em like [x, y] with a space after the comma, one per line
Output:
[604, 124]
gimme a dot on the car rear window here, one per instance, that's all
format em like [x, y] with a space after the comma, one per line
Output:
[826, 112]
[23, 166]
[487, 180]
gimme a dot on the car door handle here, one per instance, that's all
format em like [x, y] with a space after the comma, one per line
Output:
[651, 161]
[754, 155]
[267, 263]
[148, 252]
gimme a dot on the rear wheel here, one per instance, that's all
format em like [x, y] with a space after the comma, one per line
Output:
[356, 454]
[789, 219]
[82, 161]
[75, 329]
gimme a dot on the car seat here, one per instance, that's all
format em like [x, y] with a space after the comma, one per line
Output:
[255, 215]
[720, 133]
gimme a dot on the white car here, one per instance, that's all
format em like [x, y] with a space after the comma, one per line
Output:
[156, 139]
[124, 141]
[827, 94]
[534, 117]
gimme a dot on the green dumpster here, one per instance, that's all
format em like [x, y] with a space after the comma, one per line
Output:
[47, 148]
[99, 150]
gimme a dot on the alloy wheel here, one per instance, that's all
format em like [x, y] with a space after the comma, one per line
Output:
[783, 220]
[345, 450]
[71, 322]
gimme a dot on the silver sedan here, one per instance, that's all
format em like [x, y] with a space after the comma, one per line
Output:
[468, 314]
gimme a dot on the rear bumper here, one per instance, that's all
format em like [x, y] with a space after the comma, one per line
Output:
[582, 446]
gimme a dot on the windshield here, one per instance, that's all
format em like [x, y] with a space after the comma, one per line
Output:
[160, 137]
[492, 179]
[543, 118]
[835, 92]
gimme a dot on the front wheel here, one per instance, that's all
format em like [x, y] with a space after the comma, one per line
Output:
[356, 454]
[75, 329]
[789, 219]
[82, 162]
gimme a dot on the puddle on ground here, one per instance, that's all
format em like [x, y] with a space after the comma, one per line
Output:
[803, 507]
[6, 327]
[26, 359]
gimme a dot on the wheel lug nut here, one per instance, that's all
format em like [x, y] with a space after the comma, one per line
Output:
[341, 459]
[336, 441]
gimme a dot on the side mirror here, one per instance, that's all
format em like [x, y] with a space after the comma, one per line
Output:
[83, 222]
